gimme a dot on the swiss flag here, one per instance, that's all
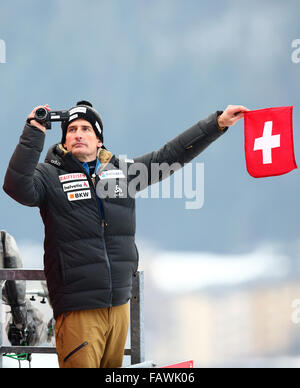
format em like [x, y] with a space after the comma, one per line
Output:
[269, 145]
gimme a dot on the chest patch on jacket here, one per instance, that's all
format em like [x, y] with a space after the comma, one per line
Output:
[76, 185]
[111, 174]
[78, 195]
[72, 177]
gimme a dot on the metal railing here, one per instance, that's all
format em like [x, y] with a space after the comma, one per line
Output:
[137, 343]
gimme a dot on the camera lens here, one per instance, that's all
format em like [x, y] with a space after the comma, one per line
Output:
[41, 114]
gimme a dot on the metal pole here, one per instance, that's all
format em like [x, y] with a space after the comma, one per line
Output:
[1, 318]
[137, 340]
[21, 274]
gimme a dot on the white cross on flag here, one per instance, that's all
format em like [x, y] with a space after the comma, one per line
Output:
[269, 145]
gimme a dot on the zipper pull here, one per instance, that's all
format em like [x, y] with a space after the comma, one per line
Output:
[103, 223]
[94, 179]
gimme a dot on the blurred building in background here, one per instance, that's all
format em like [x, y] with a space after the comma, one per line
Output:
[223, 322]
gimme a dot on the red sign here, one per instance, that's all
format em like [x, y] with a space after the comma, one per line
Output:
[185, 364]
[269, 145]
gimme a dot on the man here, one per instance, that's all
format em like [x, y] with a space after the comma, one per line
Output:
[90, 252]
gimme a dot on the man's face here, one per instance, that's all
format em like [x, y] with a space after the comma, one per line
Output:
[82, 140]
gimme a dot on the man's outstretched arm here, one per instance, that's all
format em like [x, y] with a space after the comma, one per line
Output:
[189, 144]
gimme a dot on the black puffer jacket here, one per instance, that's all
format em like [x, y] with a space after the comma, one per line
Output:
[89, 261]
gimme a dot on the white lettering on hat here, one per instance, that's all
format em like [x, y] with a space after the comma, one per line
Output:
[80, 109]
[73, 117]
[98, 126]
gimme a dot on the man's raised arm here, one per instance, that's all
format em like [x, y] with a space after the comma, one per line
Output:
[22, 181]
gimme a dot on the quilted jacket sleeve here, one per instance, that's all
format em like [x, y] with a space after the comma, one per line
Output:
[22, 181]
[157, 165]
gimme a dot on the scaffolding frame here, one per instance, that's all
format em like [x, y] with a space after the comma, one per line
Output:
[137, 339]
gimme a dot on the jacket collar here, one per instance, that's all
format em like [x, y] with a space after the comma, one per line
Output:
[60, 157]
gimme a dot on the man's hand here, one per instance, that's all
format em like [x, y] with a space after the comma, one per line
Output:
[231, 115]
[36, 123]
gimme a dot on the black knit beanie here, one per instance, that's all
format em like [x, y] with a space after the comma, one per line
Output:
[84, 110]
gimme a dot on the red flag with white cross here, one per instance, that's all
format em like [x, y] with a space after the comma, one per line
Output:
[269, 144]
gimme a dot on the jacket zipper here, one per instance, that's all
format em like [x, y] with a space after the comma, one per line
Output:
[192, 142]
[103, 223]
[102, 226]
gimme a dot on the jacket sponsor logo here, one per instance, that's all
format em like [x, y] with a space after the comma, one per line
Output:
[118, 190]
[78, 195]
[112, 174]
[53, 161]
[76, 185]
[72, 177]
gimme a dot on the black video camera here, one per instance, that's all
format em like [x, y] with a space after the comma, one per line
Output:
[44, 116]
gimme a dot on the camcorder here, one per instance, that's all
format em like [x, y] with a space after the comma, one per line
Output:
[45, 117]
